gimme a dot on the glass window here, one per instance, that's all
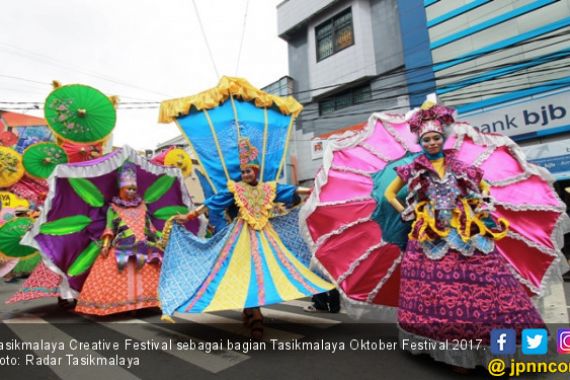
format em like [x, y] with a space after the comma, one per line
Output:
[334, 34]
[345, 99]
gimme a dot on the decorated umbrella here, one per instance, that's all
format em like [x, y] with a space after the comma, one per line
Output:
[80, 113]
[10, 204]
[32, 189]
[8, 138]
[74, 215]
[213, 121]
[10, 235]
[11, 169]
[175, 157]
[41, 159]
[359, 240]
[82, 152]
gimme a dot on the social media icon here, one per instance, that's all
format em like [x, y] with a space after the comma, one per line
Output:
[534, 341]
[503, 341]
[563, 341]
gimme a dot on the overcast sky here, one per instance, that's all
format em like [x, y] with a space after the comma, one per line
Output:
[140, 50]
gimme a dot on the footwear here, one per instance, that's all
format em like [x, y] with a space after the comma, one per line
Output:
[311, 309]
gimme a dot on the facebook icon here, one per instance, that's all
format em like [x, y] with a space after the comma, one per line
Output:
[503, 341]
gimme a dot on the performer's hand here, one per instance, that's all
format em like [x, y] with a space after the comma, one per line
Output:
[105, 251]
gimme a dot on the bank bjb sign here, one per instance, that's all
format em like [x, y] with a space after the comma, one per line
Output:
[532, 116]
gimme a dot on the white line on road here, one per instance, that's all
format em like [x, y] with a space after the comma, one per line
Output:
[214, 361]
[50, 333]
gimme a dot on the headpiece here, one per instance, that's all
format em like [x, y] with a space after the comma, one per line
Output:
[431, 117]
[247, 154]
[128, 175]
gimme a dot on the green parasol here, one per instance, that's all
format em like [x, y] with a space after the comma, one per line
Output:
[41, 159]
[10, 235]
[80, 113]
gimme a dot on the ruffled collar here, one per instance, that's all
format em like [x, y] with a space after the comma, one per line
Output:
[123, 203]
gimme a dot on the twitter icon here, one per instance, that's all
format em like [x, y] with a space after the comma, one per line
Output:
[534, 341]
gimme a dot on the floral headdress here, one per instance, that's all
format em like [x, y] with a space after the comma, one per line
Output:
[247, 154]
[431, 117]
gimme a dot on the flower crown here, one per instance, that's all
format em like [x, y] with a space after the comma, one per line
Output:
[247, 154]
[431, 117]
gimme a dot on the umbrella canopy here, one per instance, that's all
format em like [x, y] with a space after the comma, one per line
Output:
[11, 168]
[180, 159]
[82, 152]
[80, 113]
[10, 235]
[74, 214]
[215, 120]
[358, 240]
[41, 159]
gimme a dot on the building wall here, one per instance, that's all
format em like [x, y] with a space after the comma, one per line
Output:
[376, 58]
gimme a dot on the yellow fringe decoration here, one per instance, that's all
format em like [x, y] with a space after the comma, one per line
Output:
[114, 100]
[227, 87]
[423, 213]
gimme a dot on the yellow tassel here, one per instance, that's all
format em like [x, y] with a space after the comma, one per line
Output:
[167, 318]
[115, 100]
[55, 84]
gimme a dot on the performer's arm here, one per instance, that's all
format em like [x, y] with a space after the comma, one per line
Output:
[303, 190]
[108, 233]
[392, 192]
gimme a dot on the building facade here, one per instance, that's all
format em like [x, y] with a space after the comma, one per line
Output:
[347, 61]
[503, 64]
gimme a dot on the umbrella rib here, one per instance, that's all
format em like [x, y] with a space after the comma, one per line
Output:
[347, 169]
[372, 150]
[339, 230]
[530, 207]
[484, 156]
[359, 260]
[384, 279]
[345, 201]
[549, 251]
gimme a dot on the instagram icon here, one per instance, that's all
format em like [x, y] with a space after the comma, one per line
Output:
[563, 345]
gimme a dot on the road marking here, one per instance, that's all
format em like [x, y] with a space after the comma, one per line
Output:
[51, 333]
[215, 361]
[235, 326]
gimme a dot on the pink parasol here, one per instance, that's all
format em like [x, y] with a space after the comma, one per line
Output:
[359, 242]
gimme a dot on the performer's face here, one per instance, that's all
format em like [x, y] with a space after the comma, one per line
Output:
[432, 142]
[249, 176]
[128, 193]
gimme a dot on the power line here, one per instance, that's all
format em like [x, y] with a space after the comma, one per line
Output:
[242, 36]
[205, 39]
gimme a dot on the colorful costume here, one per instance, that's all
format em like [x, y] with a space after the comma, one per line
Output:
[246, 263]
[252, 266]
[82, 208]
[126, 278]
[453, 283]
[486, 232]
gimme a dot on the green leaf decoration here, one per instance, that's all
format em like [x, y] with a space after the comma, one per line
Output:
[10, 235]
[65, 226]
[84, 260]
[158, 188]
[87, 191]
[166, 212]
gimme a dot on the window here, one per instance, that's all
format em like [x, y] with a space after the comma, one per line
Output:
[334, 35]
[345, 99]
